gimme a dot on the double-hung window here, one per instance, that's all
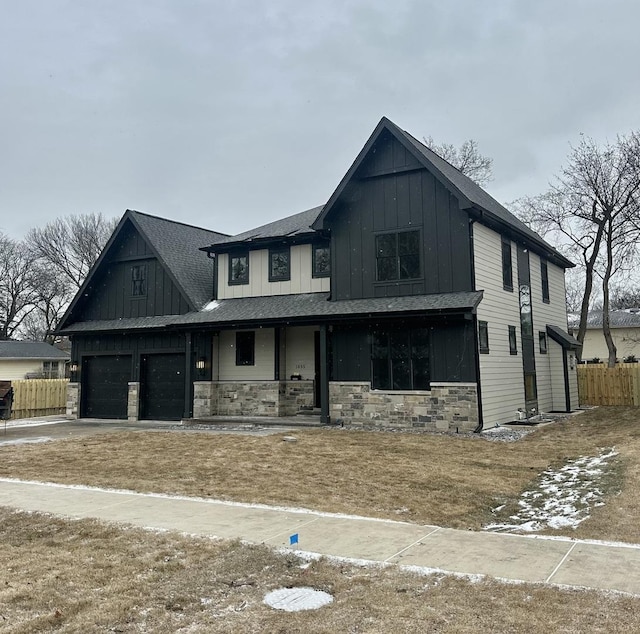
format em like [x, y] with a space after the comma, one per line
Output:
[398, 256]
[139, 280]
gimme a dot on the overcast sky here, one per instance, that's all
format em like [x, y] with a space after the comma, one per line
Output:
[229, 114]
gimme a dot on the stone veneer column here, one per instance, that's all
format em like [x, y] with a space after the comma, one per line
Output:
[133, 401]
[73, 400]
[204, 399]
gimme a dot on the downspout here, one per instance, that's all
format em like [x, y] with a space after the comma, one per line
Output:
[212, 256]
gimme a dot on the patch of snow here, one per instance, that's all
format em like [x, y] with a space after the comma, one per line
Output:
[212, 305]
[297, 599]
[26, 441]
[563, 498]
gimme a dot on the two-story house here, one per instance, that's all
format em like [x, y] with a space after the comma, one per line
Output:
[411, 298]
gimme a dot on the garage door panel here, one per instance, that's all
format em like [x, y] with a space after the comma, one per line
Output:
[105, 386]
[163, 386]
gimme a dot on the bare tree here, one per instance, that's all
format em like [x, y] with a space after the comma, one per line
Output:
[466, 158]
[71, 245]
[592, 213]
[17, 295]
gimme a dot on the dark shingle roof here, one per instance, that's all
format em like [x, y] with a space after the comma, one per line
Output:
[627, 318]
[310, 306]
[563, 338]
[177, 246]
[30, 350]
[469, 192]
[298, 224]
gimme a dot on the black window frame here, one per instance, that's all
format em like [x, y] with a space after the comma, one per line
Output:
[138, 281]
[279, 251]
[483, 337]
[245, 347]
[513, 340]
[245, 278]
[405, 367]
[314, 261]
[542, 342]
[544, 276]
[507, 265]
[397, 256]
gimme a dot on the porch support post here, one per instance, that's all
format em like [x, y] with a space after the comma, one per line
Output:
[188, 379]
[324, 376]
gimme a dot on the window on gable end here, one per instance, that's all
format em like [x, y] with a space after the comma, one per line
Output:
[139, 280]
[280, 264]
[507, 265]
[398, 256]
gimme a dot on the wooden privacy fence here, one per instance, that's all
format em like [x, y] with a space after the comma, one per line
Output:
[600, 385]
[39, 397]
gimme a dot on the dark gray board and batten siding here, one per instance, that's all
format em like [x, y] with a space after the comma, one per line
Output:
[109, 295]
[392, 192]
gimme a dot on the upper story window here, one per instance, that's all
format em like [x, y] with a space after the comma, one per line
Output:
[398, 256]
[279, 264]
[139, 280]
[507, 265]
[321, 260]
[544, 275]
[239, 268]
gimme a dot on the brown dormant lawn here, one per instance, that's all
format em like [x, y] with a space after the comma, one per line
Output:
[84, 576]
[433, 479]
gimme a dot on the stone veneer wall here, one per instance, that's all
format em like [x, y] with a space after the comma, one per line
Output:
[296, 396]
[256, 398]
[133, 401]
[73, 400]
[446, 407]
[205, 397]
[251, 398]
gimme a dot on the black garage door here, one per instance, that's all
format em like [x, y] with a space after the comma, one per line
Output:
[105, 386]
[162, 386]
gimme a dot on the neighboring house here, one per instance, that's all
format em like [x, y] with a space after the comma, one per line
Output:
[411, 298]
[31, 359]
[625, 332]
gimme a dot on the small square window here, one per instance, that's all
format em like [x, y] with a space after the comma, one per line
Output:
[483, 337]
[513, 342]
[279, 265]
[507, 265]
[239, 268]
[544, 274]
[321, 260]
[139, 280]
[542, 337]
[245, 347]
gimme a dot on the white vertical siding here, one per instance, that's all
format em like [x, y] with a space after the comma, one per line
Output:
[263, 370]
[501, 374]
[300, 352]
[302, 280]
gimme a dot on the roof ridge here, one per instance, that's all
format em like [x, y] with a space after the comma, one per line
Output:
[177, 222]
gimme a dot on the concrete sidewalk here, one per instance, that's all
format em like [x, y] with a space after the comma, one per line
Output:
[511, 557]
